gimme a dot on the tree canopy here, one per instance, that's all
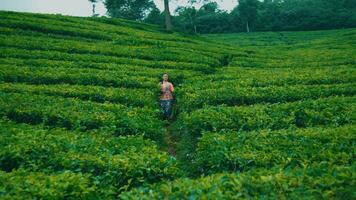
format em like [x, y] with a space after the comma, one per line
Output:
[248, 15]
[129, 9]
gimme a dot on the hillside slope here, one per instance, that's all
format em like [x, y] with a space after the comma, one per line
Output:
[80, 118]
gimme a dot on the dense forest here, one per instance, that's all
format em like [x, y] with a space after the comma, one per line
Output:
[248, 15]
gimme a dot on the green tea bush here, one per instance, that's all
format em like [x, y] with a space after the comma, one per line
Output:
[321, 181]
[233, 151]
[93, 60]
[118, 30]
[324, 60]
[243, 77]
[124, 96]
[22, 184]
[332, 111]
[50, 28]
[114, 163]
[231, 95]
[74, 114]
[34, 75]
[80, 47]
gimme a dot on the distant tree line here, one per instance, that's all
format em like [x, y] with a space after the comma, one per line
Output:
[248, 15]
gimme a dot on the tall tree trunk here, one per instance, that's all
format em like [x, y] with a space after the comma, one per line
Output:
[247, 27]
[168, 15]
[192, 23]
[93, 9]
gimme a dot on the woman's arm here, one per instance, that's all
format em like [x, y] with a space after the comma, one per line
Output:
[171, 87]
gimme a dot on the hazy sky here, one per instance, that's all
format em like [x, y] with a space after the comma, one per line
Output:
[81, 7]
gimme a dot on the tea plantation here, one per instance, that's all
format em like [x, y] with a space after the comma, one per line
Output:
[259, 115]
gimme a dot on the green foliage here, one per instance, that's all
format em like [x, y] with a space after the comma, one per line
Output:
[242, 151]
[155, 17]
[113, 163]
[266, 77]
[22, 184]
[325, 111]
[35, 75]
[267, 15]
[125, 34]
[247, 11]
[233, 96]
[134, 10]
[74, 114]
[80, 119]
[93, 61]
[281, 114]
[129, 97]
[309, 182]
[159, 54]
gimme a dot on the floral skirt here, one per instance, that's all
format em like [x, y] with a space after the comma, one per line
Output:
[166, 106]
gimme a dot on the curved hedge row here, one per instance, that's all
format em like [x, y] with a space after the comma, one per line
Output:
[124, 96]
[325, 111]
[321, 181]
[231, 95]
[117, 30]
[94, 60]
[22, 184]
[118, 27]
[125, 69]
[232, 151]
[237, 76]
[114, 164]
[28, 29]
[80, 47]
[35, 26]
[108, 78]
[74, 114]
[326, 60]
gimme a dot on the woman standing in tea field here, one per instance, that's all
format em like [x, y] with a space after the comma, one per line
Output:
[166, 98]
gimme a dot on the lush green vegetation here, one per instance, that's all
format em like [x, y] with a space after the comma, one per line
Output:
[266, 149]
[263, 115]
[307, 182]
[205, 16]
[71, 161]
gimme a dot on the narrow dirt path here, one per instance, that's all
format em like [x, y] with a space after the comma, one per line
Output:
[170, 140]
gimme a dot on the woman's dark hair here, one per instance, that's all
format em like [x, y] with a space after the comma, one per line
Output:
[161, 77]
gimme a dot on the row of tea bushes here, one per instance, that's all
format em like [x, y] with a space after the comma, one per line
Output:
[74, 114]
[124, 96]
[277, 121]
[325, 111]
[320, 181]
[124, 69]
[234, 95]
[83, 27]
[80, 47]
[113, 164]
[95, 60]
[22, 184]
[34, 75]
[237, 76]
[292, 63]
[242, 151]
[117, 30]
